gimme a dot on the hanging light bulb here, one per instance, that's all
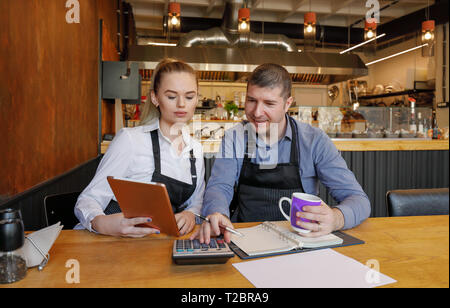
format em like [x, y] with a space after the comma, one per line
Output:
[174, 16]
[428, 38]
[370, 29]
[174, 20]
[427, 31]
[244, 20]
[310, 22]
[309, 30]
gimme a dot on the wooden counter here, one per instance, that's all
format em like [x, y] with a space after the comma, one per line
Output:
[412, 250]
[385, 144]
[346, 145]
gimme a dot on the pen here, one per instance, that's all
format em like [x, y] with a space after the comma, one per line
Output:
[226, 228]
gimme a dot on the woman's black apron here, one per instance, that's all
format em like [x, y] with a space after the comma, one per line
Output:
[179, 192]
[260, 189]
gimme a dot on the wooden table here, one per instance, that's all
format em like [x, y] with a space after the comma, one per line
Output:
[412, 250]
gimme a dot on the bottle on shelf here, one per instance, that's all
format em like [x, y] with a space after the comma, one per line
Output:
[221, 113]
[420, 126]
[435, 126]
[412, 120]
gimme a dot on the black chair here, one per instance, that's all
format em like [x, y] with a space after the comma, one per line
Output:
[418, 202]
[60, 207]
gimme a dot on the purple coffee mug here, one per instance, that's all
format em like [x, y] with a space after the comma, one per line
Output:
[298, 201]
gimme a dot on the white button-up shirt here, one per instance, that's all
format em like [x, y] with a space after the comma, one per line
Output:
[130, 155]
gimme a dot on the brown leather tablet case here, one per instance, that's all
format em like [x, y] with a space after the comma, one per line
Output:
[145, 200]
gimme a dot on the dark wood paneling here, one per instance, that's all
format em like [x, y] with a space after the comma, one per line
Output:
[31, 202]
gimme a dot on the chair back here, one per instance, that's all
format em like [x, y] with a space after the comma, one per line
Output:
[418, 202]
[60, 207]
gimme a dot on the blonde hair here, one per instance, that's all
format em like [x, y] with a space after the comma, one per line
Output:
[168, 65]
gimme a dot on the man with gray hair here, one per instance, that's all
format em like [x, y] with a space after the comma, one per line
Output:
[272, 156]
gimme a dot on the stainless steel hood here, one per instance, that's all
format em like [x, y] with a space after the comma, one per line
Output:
[304, 67]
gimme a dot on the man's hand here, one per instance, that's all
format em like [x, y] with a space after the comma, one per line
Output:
[185, 222]
[215, 227]
[324, 220]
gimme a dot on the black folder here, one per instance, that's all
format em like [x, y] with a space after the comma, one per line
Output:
[348, 241]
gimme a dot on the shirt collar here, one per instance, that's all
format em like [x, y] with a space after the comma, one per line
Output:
[154, 125]
[288, 133]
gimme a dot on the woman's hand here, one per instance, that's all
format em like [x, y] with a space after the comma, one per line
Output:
[185, 222]
[118, 225]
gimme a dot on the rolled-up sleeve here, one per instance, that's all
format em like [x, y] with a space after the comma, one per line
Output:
[341, 183]
[224, 174]
[97, 195]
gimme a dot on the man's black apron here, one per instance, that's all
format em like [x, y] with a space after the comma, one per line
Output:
[179, 192]
[259, 189]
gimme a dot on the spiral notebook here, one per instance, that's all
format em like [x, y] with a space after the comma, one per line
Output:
[271, 238]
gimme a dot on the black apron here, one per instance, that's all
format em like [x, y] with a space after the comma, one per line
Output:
[179, 192]
[259, 189]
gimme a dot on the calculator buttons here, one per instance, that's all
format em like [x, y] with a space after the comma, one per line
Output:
[194, 252]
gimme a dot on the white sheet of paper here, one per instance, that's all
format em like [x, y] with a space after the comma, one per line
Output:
[323, 268]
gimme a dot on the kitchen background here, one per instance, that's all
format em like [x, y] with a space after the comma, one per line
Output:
[54, 119]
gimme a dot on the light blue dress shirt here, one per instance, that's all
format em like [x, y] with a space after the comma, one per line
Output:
[319, 161]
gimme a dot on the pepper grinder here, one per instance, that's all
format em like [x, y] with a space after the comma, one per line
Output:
[10, 214]
[13, 266]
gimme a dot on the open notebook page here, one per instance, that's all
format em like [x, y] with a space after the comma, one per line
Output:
[284, 228]
[259, 240]
[272, 237]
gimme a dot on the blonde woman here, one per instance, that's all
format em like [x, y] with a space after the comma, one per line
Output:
[159, 150]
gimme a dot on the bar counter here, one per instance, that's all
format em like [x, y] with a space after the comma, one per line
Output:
[211, 146]
[379, 165]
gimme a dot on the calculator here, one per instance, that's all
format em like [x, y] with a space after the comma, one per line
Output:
[193, 252]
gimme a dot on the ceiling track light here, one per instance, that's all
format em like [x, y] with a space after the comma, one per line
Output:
[396, 54]
[363, 43]
[161, 44]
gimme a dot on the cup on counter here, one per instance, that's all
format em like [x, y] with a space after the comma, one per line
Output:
[297, 202]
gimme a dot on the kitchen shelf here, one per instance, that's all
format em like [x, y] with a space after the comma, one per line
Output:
[406, 92]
